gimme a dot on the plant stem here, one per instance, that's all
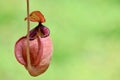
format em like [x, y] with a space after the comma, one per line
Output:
[28, 33]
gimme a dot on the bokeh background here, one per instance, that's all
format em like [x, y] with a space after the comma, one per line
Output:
[85, 34]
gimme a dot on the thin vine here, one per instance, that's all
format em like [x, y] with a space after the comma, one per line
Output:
[28, 33]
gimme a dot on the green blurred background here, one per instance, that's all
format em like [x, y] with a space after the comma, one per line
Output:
[85, 34]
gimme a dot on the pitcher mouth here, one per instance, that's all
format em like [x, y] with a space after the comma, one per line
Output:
[39, 30]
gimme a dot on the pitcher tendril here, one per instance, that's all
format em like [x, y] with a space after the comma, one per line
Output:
[28, 33]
